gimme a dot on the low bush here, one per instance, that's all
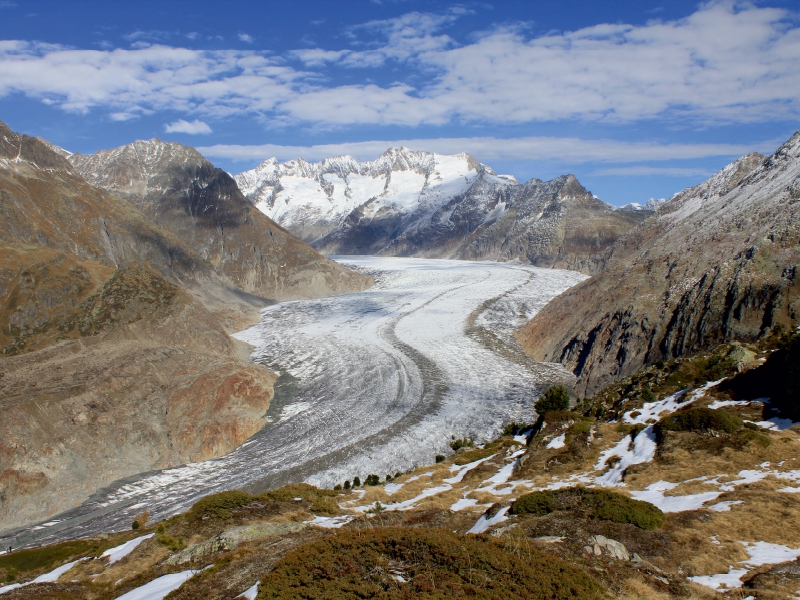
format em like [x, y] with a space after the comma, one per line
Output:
[440, 458]
[701, 419]
[396, 563]
[596, 504]
[171, 543]
[612, 506]
[298, 490]
[46, 557]
[219, 505]
[561, 416]
[746, 436]
[457, 444]
[515, 428]
[325, 505]
[555, 398]
[535, 503]
[473, 455]
[372, 480]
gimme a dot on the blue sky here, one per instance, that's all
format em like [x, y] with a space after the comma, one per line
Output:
[638, 99]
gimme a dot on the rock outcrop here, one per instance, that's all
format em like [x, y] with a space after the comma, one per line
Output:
[717, 263]
[408, 203]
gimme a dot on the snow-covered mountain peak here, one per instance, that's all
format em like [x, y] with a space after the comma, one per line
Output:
[312, 198]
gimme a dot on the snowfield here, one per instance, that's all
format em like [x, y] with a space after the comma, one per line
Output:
[372, 382]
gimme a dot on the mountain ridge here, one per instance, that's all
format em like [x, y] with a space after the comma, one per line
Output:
[408, 203]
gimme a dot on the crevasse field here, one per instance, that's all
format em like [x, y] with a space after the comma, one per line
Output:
[371, 382]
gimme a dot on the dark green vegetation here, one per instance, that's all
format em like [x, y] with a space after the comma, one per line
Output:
[218, 505]
[399, 563]
[778, 378]
[46, 558]
[595, 503]
[457, 444]
[555, 398]
[701, 419]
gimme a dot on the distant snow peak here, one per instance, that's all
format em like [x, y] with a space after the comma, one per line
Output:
[313, 198]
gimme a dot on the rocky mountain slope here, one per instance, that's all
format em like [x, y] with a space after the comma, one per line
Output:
[408, 203]
[182, 192]
[718, 263]
[115, 356]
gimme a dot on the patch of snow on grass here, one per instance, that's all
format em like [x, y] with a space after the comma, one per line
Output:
[483, 523]
[642, 450]
[463, 503]
[522, 438]
[654, 410]
[764, 553]
[250, 593]
[775, 424]
[724, 506]
[158, 588]
[465, 469]
[731, 579]
[121, 551]
[50, 577]
[331, 522]
[557, 442]
[654, 494]
[391, 488]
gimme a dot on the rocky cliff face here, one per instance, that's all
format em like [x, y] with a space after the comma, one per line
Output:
[409, 203]
[719, 262]
[184, 193]
[110, 364]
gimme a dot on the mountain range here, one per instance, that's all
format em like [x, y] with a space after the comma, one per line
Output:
[408, 203]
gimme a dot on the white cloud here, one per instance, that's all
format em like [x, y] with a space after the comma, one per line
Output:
[487, 149]
[247, 38]
[728, 62]
[193, 128]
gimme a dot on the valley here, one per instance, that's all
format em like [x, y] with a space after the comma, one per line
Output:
[380, 381]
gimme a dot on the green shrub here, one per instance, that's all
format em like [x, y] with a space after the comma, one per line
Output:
[347, 484]
[296, 490]
[160, 528]
[457, 444]
[596, 504]
[701, 419]
[648, 395]
[372, 480]
[555, 398]
[171, 543]
[561, 416]
[218, 505]
[325, 505]
[535, 503]
[611, 506]
[135, 525]
[45, 557]
[745, 436]
[440, 458]
[515, 428]
[356, 482]
[434, 564]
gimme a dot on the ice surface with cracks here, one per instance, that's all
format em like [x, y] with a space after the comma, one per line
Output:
[385, 377]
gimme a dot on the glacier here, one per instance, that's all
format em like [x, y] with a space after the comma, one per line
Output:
[375, 382]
